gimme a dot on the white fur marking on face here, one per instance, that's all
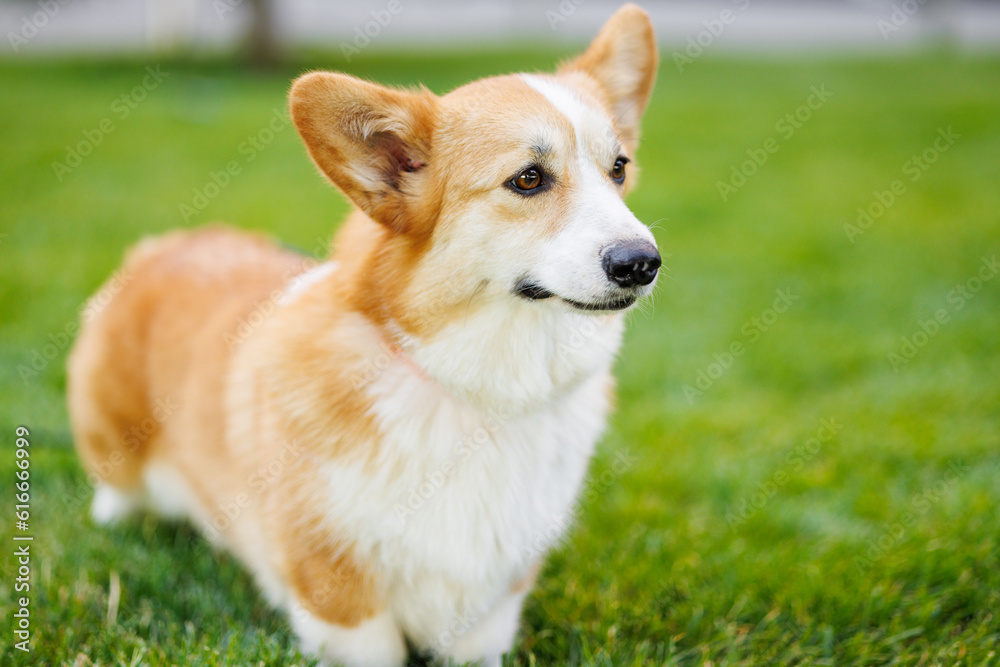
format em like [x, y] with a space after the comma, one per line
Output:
[300, 283]
[563, 99]
[599, 218]
[591, 127]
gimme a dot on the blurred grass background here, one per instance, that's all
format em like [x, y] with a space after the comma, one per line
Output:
[728, 537]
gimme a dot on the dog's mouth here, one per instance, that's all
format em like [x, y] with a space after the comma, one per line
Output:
[535, 292]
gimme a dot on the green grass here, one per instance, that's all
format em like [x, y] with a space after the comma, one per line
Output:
[742, 533]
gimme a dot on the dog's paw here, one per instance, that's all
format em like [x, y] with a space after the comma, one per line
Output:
[376, 642]
[111, 505]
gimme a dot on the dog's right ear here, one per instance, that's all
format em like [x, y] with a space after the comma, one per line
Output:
[371, 142]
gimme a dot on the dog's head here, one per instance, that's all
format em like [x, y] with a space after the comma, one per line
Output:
[511, 185]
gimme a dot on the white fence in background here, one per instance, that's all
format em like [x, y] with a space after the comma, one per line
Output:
[72, 26]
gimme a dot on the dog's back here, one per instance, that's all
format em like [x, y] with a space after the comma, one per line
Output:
[151, 360]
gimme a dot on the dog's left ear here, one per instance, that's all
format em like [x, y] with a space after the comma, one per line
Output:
[372, 142]
[622, 59]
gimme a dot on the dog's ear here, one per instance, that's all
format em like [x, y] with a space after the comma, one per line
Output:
[371, 142]
[622, 59]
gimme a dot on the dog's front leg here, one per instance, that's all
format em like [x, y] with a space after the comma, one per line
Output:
[337, 610]
[489, 637]
[374, 642]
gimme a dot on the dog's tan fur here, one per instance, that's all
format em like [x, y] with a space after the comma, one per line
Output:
[412, 162]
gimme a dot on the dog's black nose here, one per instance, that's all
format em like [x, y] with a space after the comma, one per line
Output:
[631, 263]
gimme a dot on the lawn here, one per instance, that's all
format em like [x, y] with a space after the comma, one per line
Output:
[804, 467]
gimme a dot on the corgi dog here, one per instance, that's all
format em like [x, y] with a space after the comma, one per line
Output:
[390, 440]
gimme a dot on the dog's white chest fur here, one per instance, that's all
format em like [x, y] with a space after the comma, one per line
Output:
[466, 501]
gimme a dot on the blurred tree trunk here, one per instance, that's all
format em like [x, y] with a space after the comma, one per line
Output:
[262, 43]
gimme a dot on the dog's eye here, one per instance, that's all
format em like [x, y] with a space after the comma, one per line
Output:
[618, 171]
[527, 180]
